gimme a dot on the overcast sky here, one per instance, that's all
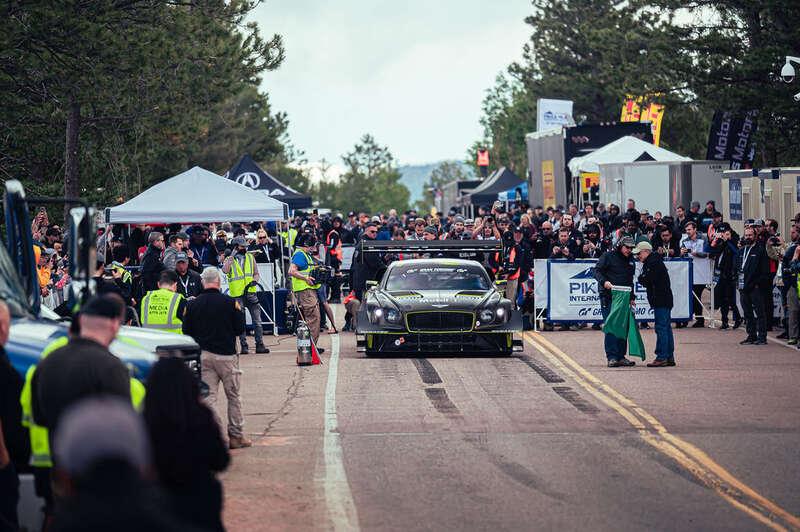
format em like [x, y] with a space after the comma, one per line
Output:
[413, 73]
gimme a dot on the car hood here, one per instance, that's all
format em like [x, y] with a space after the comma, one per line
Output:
[152, 339]
[28, 337]
[433, 300]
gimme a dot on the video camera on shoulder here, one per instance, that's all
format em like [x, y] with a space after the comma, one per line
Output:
[322, 274]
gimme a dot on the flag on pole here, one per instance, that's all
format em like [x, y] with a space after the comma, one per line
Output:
[621, 322]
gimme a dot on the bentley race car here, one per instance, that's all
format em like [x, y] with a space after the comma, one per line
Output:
[437, 305]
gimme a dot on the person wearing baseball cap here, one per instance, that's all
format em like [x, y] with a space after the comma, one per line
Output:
[615, 268]
[240, 267]
[82, 368]
[655, 279]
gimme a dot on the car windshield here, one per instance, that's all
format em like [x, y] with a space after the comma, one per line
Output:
[10, 288]
[437, 277]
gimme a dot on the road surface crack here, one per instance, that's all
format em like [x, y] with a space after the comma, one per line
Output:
[291, 393]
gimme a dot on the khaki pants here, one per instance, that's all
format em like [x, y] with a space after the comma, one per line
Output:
[511, 291]
[309, 305]
[224, 368]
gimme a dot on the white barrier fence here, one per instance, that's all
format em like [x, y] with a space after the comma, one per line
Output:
[266, 283]
[570, 290]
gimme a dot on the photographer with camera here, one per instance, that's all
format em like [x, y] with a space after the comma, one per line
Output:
[304, 286]
[723, 252]
[594, 246]
[240, 267]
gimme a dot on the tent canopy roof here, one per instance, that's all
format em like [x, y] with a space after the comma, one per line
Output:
[623, 150]
[499, 181]
[197, 196]
[247, 172]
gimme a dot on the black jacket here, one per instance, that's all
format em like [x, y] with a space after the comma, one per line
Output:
[151, 269]
[616, 268]
[14, 434]
[756, 269]
[81, 369]
[655, 279]
[194, 284]
[214, 320]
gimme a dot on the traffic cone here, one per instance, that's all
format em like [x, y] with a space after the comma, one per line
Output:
[315, 354]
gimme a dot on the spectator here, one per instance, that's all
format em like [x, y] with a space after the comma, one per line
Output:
[789, 272]
[723, 251]
[188, 449]
[566, 247]
[543, 244]
[752, 269]
[163, 309]
[189, 283]
[214, 320]
[103, 459]
[175, 247]
[694, 244]
[14, 444]
[151, 262]
[202, 249]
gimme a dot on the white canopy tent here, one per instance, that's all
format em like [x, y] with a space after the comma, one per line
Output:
[197, 196]
[623, 150]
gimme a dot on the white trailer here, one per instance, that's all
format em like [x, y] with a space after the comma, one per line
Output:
[661, 186]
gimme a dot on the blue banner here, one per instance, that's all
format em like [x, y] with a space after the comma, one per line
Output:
[735, 197]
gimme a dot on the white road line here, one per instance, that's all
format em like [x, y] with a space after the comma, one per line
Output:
[338, 498]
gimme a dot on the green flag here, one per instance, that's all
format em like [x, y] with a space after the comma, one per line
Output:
[621, 323]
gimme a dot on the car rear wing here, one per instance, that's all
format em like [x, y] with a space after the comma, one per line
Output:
[429, 246]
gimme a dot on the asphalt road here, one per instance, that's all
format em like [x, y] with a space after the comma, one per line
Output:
[551, 439]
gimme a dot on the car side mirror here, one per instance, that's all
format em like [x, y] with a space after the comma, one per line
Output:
[371, 284]
[500, 283]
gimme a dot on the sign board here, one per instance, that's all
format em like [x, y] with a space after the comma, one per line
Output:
[540, 282]
[548, 184]
[551, 114]
[572, 293]
[735, 197]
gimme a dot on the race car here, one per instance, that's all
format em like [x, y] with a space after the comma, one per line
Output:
[437, 305]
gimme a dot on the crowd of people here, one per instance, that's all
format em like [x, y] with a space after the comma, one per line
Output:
[169, 278]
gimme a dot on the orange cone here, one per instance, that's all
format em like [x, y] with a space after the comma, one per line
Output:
[314, 354]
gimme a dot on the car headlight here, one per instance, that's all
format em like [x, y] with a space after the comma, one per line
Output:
[501, 312]
[392, 315]
[378, 313]
[486, 316]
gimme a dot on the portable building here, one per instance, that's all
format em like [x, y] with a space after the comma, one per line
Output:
[661, 186]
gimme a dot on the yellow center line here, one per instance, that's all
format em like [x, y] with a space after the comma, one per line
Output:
[652, 431]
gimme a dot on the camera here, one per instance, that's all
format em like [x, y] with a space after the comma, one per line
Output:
[322, 274]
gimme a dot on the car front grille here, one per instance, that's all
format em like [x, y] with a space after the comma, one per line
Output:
[439, 321]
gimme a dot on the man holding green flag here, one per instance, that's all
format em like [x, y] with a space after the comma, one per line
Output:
[614, 274]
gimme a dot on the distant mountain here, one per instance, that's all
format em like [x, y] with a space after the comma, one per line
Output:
[414, 177]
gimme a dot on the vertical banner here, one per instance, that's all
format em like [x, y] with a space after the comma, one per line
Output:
[735, 197]
[548, 184]
[553, 113]
[633, 110]
[731, 138]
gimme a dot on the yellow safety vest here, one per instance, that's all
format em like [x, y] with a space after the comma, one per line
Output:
[298, 285]
[240, 279]
[126, 275]
[39, 436]
[290, 237]
[160, 310]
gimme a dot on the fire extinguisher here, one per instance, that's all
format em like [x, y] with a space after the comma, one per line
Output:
[303, 344]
